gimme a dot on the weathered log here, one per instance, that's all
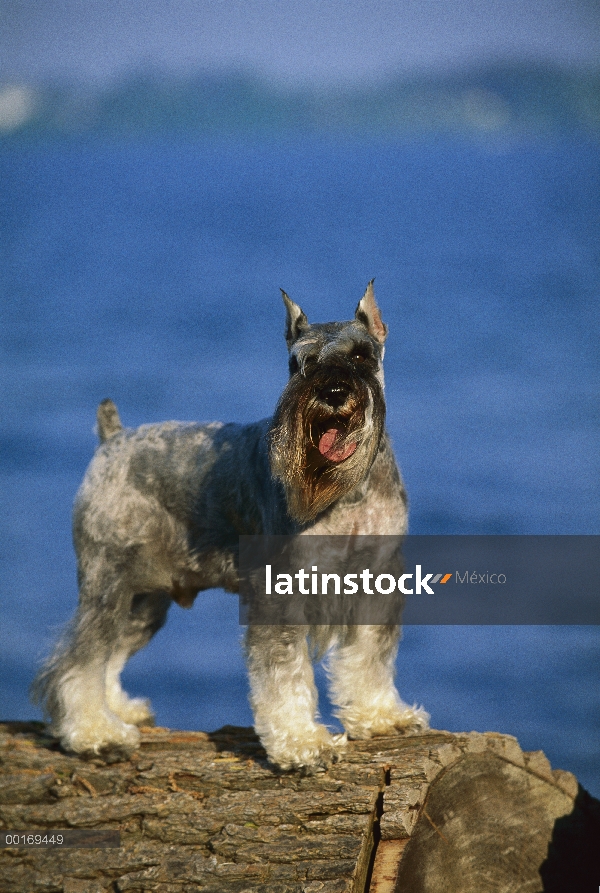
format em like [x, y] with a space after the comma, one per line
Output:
[206, 812]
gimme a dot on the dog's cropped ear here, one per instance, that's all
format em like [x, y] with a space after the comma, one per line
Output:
[296, 320]
[368, 314]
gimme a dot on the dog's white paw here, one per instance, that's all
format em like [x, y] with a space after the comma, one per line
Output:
[136, 711]
[95, 733]
[369, 722]
[313, 751]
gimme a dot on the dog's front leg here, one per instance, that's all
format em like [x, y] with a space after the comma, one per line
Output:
[284, 698]
[361, 671]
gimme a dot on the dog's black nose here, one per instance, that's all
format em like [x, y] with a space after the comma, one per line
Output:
[334, 395]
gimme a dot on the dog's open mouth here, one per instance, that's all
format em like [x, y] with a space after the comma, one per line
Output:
[333, 445]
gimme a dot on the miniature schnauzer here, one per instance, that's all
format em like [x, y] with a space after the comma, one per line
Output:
[158, 517]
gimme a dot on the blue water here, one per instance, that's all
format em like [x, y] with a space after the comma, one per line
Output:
[149, 272]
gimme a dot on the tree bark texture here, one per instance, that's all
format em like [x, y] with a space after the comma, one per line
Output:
[206, 812]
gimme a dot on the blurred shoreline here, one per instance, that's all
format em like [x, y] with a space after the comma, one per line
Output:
[494, 100]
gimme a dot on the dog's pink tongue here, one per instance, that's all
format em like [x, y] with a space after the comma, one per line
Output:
[327, 446]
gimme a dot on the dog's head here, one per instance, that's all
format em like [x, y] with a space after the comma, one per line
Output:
[329, 421]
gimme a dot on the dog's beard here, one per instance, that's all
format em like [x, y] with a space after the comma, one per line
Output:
[320, 454]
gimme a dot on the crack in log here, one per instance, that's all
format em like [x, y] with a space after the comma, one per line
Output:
[377, 814]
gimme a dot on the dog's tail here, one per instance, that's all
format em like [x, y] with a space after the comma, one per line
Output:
[108, 419]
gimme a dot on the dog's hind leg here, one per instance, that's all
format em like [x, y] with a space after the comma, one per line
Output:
[361, 672]
[72, 687]
[79, 685]
[284, 698]
[147, 615]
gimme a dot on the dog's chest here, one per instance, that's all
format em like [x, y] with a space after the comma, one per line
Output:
[369, 517]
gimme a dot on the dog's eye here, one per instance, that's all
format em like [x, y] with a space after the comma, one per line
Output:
[358, 356]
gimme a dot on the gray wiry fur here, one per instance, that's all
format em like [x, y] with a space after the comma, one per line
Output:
[157, 519]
